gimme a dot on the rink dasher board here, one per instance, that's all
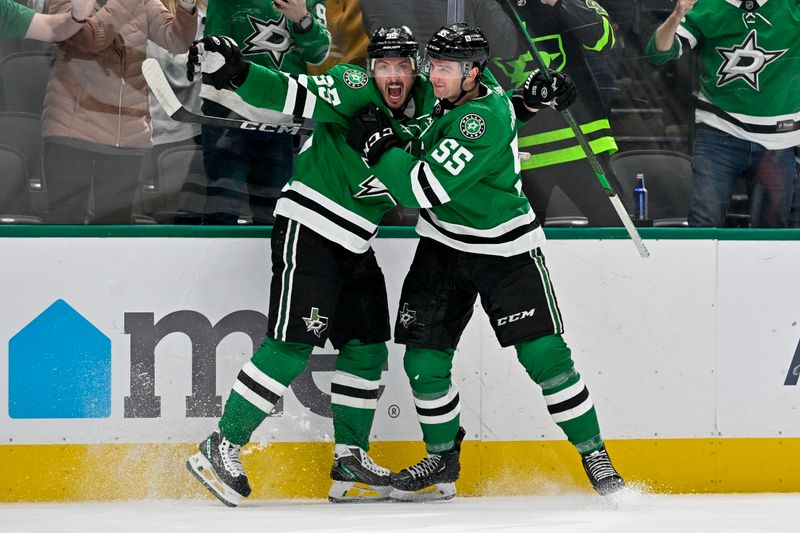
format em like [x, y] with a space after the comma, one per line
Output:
[696, 341]
[692, 346]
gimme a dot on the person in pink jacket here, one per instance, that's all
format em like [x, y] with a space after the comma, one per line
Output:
[96, 120]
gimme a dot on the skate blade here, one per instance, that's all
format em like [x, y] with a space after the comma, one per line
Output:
[201, 468]
[348, 491]
[433, 493]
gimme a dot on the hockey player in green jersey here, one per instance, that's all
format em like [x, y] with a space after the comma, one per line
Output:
[326, 283]
[747, 111]
[478, 236]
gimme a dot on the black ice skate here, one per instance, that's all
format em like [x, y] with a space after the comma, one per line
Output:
[219, 468]
[356, 477]
[601, 472]
[433, 478]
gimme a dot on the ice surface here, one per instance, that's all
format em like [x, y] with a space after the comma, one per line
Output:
[631, 511]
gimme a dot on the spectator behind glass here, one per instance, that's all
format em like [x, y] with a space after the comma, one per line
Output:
[748, 109]
[18, 21]
[567, 32]
[284, 35]
[348, 38]
[169, 133]
[96, 123]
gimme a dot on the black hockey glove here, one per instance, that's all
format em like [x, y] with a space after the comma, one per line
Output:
[559, 93]
[370, 134]
[220, 58]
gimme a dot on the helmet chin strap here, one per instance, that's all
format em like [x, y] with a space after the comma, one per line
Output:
[464, 91]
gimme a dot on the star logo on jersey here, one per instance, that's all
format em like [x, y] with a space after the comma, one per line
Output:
[269, 37]
[316, 323]
[745, 61]
[407, 316]
[472, 126]
[355, 79]
[372, 187]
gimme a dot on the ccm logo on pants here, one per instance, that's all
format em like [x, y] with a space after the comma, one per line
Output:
[516, 316]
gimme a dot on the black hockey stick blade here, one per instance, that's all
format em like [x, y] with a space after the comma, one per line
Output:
[163, 92]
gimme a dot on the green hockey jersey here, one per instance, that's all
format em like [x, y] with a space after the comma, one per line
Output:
[751, 67]
[468, 182]
[332, 190]
[267, 38]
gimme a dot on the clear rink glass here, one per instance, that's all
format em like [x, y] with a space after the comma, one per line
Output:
[625, 104]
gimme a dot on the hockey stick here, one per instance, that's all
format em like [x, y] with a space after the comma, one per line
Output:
[598, 170]
[161, 88]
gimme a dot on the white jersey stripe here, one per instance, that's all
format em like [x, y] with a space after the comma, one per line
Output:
[321, 225]
[497, 231]
[438, 402]
[440, 419]
[291, 96]
[289, 277]
[252, 397]
[523, 244]
[311, 98]
[416, 187]
[686, 34]
[752, 119]
[358, 403]
[566, 394]
[262, 379]
[436, 185]
[349, 380]
[770, 141]
[575, 412]
[332, 206]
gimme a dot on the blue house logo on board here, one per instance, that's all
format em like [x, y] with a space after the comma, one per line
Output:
[59, 367]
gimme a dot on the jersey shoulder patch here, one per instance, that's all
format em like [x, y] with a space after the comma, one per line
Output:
[472, 126]
[355, 78]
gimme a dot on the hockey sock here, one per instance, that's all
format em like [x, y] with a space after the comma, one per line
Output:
[549, 363]
[259, 386]
[435, 397]
[354, 391]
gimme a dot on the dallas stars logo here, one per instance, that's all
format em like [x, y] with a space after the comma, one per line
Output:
[745, 61]
[268, 37]
[472, 126]
[355, 79]
[316, 323]
[372, 187]
[407, 316]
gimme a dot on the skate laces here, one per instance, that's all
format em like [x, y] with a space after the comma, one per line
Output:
[426, 467]
[367, 462]
[599, 465]
[230, 457]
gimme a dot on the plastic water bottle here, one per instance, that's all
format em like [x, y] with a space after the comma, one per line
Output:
[640, 198]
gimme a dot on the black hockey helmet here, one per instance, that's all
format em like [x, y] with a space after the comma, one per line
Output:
[459, 42]
[392, 42]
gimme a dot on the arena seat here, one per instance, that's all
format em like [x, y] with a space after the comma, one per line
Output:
[667, 177]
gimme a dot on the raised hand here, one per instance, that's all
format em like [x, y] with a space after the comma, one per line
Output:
[684, 6]
[219, 57]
